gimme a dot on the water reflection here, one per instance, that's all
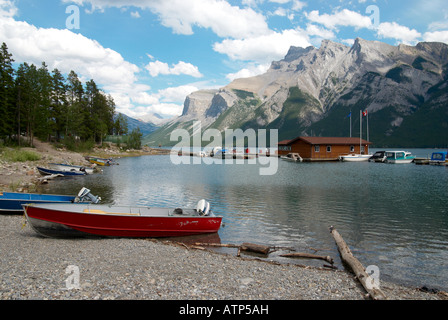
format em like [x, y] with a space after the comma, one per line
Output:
[392, 216]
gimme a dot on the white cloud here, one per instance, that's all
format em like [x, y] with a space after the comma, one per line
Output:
[436, 36]
[7, 9]
[249, 71]
[135, 14]
[344, 18]
[262, 49]
[181, 16]
[313, 30]
[66, 51]
[157, 67]
[401, 33]
[176, 94]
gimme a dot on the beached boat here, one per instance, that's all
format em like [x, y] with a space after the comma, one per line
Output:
[13, 201]
[399, 157]
[439, 158]
[100, 161]
[73, 220]
[355, 157]
[69, 167]
[379, 156]
[47, 172]
[294, 157]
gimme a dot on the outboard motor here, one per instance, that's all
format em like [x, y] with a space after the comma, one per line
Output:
[203, 208]
[85, 195]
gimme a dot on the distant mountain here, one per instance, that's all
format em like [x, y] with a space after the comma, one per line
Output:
[312, 91]
[145, 127]
[153, 118]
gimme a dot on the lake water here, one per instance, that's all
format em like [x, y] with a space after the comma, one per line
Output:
[392, 216]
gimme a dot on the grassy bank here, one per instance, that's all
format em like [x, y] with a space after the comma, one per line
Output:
[18, 155]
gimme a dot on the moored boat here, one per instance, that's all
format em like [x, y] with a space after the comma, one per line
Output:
[74, 220]
[399, 157]
[355, 157]
[421, 161]
[439, 158]
[379, 156]
[13, 201]
[294, 157]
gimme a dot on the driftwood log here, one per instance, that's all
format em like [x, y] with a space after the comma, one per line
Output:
[308, 256]
[252, 247]
[257, 248]
[367, 281]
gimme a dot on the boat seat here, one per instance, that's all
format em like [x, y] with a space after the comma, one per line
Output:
[96, 211]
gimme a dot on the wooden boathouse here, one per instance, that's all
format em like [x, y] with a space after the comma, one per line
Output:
[323, 148]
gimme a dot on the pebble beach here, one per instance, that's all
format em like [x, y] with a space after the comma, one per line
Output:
[38, 268]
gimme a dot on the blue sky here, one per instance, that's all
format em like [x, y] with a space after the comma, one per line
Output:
[150, 54]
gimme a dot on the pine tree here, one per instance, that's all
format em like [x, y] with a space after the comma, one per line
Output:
[58, 103]
[7, 99]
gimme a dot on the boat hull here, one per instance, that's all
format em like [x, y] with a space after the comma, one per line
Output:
[70, 168]
[403, 161]
[46, 172]
[13, 201]
[99, 162]
[356, 158]
[57, 221]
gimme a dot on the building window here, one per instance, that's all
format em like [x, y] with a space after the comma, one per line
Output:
[284, 148]
[328, 148]
[352, 148]
[317, 148]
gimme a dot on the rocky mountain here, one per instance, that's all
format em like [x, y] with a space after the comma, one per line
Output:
[145, 127]
[313, 90]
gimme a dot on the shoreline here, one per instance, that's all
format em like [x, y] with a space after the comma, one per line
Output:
[146, 269]
[23, 176]
[34, 267]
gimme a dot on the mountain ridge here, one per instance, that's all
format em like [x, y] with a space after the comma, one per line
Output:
[312, 90]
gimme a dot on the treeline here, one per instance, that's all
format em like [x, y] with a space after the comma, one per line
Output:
[37, 103]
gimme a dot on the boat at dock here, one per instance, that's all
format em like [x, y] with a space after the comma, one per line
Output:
[293, 157]
[355, 157]
[439, 158]
[48, 172]
[84, 220]
[399, 157]
[379, 156]
[13, 201]
[421, 161]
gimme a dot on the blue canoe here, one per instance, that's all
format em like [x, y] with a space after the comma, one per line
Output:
[46, 172]
[12, 201]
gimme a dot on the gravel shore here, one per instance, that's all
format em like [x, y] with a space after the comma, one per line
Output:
[33, 267]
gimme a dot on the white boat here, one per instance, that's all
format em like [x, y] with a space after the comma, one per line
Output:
[399, 157]
[294, 157]
[356, 157]
[71, 168]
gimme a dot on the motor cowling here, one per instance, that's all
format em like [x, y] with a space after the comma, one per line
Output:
[203, 207]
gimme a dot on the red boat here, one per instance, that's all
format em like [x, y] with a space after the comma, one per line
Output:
[72, 220]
